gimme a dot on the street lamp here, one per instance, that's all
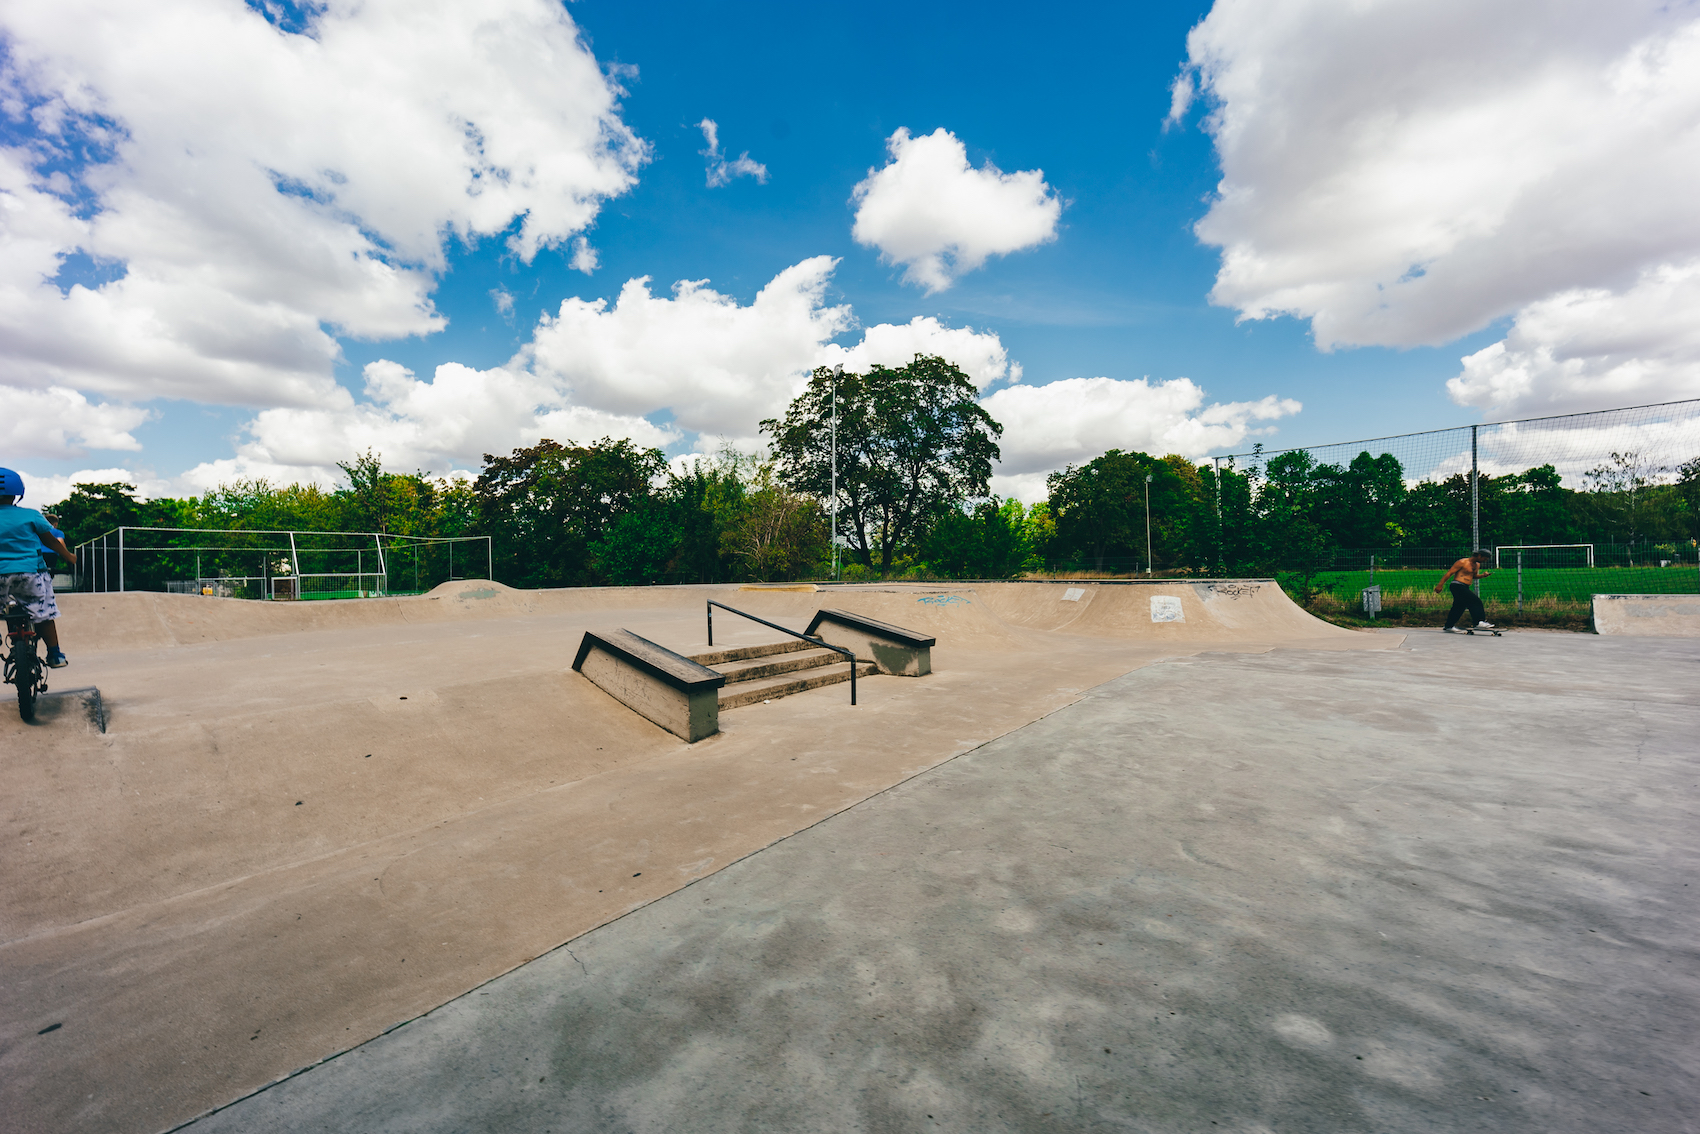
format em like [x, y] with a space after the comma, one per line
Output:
[837, 373]
[1148, 524]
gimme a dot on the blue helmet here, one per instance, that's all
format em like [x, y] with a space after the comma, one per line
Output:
[11, 484]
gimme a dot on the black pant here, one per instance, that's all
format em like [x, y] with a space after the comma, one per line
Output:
[1463, 598]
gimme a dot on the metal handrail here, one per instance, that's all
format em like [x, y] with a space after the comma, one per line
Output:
[785, 630]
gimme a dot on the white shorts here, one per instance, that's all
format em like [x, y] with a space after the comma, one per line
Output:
[33, 592]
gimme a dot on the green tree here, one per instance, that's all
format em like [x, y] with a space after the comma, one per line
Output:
[1358, 505]
[638, 547]
[708, 497]
[1537, 509]
[1101, 511]
[1230, 496]
[545, 506]
[913, 443]
[1688, 493]
[990, 542]
[93, 509]
[1623, 494]
[777, 533]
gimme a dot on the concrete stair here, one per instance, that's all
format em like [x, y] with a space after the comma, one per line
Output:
[761, 673]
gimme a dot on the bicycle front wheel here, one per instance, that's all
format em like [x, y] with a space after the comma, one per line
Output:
[27, 683]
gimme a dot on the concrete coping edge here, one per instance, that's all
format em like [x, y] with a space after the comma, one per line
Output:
[871, 625]
[675, 669]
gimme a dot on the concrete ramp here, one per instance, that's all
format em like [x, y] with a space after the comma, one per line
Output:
[1648, 616]
[1164, 610]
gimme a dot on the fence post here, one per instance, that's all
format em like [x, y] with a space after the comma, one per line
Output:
[1519, 584]
[1475, 506]
[1221, 530]
[120, 559]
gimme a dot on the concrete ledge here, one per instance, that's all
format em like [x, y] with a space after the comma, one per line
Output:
[653, 681]
[1648, 616]
[900, 652]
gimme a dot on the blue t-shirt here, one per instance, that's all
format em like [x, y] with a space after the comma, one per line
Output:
[47, 556]
[21, 533]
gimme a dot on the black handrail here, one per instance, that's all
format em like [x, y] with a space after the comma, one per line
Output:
[785, 630]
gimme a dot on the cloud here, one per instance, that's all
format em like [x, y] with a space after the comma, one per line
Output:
[258, 191]
[437, 425]
[57, 422]
[939, 217]
[1077, 419]
[1406, 174]
[1585, 348]
[980, 355]
[717, 365]
[720, 171]
[584, 256]
[41, 491]
[698, 361]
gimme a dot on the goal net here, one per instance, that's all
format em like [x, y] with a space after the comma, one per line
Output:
[1544, 556]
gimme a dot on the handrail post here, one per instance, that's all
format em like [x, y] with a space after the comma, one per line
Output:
[818, 642]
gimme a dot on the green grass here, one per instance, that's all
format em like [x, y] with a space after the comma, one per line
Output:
[1573, 584]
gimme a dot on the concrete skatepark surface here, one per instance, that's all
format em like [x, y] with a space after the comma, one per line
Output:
[248, 905]
[1648, 616]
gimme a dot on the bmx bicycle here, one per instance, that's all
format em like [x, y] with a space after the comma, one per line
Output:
[24, 667]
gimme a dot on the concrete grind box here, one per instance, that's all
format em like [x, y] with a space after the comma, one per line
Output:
[899, 652]
[653, 681]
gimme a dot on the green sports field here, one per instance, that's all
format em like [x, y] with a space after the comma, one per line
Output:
[1568, 584]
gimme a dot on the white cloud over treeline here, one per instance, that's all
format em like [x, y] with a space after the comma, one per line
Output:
[1408, 173]
[716, 367]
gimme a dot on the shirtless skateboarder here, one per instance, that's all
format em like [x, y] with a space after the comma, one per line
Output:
[1467, 570]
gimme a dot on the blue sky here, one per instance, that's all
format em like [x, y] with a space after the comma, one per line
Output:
[1376, 217]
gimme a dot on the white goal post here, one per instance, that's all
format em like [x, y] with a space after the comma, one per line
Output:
[1499, 552]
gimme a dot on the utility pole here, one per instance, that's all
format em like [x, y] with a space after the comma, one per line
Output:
[1148, 563]
[837, 373]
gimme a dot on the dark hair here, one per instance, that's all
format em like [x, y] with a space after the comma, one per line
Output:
[1481, 553]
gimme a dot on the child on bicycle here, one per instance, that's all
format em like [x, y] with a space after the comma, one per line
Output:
[23, 532]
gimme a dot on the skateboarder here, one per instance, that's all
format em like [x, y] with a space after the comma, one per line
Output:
[1467, 570]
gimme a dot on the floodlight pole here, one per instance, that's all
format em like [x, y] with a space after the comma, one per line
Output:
[837, 373]
[1148, 563]
[1475, 507]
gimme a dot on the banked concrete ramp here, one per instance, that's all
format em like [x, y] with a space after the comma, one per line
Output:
[1648, 616]
[308, 822]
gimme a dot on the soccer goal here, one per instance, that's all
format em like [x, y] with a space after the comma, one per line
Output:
[1544, 555]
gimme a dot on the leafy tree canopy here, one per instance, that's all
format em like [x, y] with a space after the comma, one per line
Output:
[913, 444]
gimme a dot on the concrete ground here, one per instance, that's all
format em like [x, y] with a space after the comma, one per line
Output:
[1445, 887]
[306, 823]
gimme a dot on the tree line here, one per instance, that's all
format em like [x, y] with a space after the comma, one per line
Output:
[914, 456]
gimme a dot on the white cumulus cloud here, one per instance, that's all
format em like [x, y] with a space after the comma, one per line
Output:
[930, 211]
[257, 190]
[57, 422]
[1076, 419]
[722, 171]
[1403, 174]
[980, 355]
[696, 360]
[440, 426]
[45, 491]
[1585, 348]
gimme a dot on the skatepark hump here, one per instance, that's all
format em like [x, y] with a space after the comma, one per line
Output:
[307, 822]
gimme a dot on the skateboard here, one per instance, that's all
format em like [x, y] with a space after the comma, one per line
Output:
[1496, 631]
